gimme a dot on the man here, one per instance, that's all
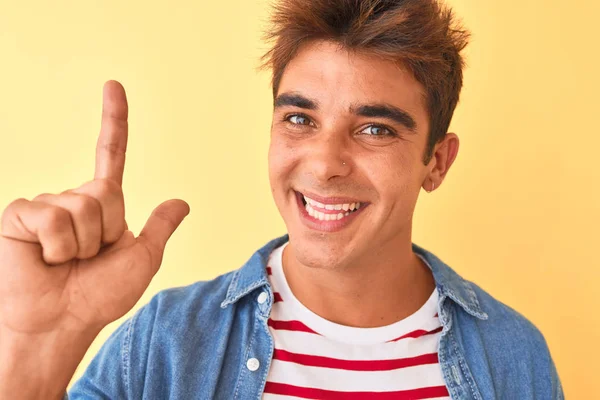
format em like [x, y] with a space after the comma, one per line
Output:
[343, 307]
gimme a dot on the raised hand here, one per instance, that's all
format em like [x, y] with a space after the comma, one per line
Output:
[68, 261]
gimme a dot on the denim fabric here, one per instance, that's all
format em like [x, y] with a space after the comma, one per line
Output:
[194, 342]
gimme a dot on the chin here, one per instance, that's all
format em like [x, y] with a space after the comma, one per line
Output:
[315, 251]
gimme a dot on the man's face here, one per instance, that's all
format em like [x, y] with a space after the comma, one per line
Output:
[349, 131]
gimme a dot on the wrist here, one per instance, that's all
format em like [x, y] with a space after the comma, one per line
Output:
[40, 365]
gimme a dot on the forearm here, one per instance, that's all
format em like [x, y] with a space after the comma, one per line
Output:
[40, 366]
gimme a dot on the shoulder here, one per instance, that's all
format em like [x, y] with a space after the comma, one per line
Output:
[511, 346]
[483, 314]
[195, 296]
[182, 307]
[503, 319]
[188, 308]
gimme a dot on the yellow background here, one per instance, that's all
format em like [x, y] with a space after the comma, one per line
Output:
[518, 213]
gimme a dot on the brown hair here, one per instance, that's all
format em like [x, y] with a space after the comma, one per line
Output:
[420, 34]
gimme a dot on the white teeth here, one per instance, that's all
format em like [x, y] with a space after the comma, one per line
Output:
[338, 207]
[324, 216]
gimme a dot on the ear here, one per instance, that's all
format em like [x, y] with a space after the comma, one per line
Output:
[444, 154]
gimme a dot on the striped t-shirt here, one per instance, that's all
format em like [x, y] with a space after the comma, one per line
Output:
[317, 359]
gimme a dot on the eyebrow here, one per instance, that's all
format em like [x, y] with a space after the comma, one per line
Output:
[296, 100]
[387, 111]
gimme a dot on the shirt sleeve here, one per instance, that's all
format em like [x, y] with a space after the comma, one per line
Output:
[558, 393]
[107, 375]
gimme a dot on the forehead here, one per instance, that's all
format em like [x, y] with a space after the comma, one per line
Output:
[337, 77]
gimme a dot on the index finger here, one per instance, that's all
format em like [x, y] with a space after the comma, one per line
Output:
[112, 141]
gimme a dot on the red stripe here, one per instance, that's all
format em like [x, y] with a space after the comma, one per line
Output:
[290, 326]
[354, 365]
[313, 393]
[276, 297]
[269, 271]
[417, 333]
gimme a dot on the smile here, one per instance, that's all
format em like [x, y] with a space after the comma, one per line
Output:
[328, 214]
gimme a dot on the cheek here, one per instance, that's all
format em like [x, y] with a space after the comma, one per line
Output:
[392, 175]
[281, 161]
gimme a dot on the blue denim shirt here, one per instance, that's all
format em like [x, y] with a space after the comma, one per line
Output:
[194, 342]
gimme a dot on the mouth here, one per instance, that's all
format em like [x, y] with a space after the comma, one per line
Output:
[328, 214]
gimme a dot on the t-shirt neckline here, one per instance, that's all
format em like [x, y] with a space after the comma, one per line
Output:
[344, 333]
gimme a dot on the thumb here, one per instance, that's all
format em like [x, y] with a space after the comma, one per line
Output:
[160, 226]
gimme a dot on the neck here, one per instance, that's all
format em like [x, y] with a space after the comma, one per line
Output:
[375, 292]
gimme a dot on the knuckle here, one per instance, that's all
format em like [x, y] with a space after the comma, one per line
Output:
[113, 148]
[112, 233]
[60, 250]
[41, 197]
[107, 188]
[89, 249]
[86, 206]
[86, 213]
[56, 219]
[88, 245]
[10, 211]
[67, 248]
[13, 205]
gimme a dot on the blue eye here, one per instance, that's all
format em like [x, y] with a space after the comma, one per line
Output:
[376, 130]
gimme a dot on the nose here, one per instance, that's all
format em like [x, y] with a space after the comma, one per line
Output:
[328, 156]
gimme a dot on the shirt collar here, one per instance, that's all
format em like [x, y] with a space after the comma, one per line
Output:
[449, 284]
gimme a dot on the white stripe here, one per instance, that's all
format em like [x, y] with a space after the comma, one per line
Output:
[282, 311]
[356, 381]
[309, 343]
[270, 396]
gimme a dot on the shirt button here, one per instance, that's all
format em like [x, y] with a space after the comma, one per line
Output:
[262, 297]
[253, 364]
